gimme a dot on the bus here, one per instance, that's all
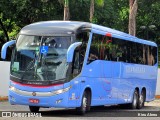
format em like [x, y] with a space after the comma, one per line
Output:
[73, 64]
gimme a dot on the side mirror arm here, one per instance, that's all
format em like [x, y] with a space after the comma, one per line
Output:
[4, 48]
[71, 49]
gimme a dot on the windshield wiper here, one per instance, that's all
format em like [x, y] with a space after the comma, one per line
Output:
[52, 54]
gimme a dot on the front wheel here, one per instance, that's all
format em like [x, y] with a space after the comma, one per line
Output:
[34, 108]
[85, 103]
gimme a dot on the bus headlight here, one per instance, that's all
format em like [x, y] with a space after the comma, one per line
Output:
[12, 88]
[61, 90]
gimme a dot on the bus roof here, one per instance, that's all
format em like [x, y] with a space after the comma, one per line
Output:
[49, 28]
[54, 27]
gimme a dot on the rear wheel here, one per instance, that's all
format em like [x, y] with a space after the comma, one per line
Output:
[134, 103]
[141, 100]
[34, 108]
[85, 103]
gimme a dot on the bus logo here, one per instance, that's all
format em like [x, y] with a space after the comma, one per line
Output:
[34, 93]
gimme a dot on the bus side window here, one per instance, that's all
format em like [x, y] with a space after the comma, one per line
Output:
[78, 59]
[95, 48]
[117, 50]
[154, 54]
[107, 50]
[75, 69]
[93, 55]
[82, 52]
[140, 59]
[133, 52]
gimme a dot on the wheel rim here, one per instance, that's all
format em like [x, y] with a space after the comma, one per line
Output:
[141, 99]
[84, 103]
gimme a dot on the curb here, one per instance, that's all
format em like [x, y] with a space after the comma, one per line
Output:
[157, 96]
[4, 98]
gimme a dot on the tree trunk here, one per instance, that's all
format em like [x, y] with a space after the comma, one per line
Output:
[66, 10]
[132, 17]
[91, 10]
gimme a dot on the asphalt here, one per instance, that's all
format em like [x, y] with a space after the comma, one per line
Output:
[96, 113]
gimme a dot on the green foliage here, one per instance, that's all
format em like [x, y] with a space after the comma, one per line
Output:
[148, 14]
[14, 32]
[99, 2]
[15, 14]
[79, 10]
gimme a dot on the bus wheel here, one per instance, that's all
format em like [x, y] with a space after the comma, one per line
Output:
[141, 100]
[85, 103]
[34, 108]
[134, 103]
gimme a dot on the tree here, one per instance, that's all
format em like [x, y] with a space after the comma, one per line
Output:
[6, 19]
[92, 4]
[66, 10]
[148, 16]
[132, 16]
[66, 13]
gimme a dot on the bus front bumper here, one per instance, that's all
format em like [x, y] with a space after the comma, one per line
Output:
[57, 100]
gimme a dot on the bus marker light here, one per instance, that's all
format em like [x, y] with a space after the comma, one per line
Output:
[58, 101]
[109, 35]
[36, 101]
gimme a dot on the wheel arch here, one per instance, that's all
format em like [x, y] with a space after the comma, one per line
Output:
[137, 88]
[139, 91]
[88, 89]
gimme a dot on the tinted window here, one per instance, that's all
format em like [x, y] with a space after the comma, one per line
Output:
[115, 49]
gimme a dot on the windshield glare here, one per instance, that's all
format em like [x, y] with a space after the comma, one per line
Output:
[40, 58]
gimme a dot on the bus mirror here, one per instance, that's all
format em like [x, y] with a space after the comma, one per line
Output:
[4, 48]
[71, 49]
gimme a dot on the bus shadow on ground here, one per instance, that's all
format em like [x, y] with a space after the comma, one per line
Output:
[99, 111]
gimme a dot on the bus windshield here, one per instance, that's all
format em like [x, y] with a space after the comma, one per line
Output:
[40, 58]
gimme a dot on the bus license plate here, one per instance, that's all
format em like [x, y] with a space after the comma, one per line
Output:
[36, 101]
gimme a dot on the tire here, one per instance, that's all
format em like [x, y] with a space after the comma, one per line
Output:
[134, 103]
[85, 103]
[34, 108]
[141, 100]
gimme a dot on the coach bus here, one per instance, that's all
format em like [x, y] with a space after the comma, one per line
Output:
[69, 64]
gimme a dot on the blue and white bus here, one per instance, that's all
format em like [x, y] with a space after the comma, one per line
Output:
[67, 64]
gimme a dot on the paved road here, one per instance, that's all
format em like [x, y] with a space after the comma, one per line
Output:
[96, 112]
